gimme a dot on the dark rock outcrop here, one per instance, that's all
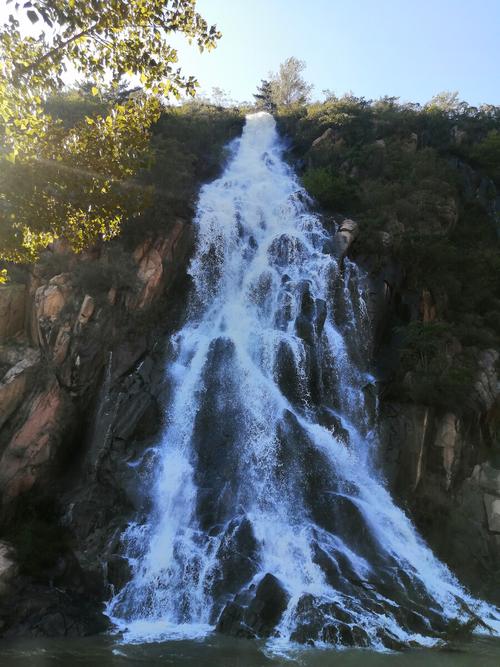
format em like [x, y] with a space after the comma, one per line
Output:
[259, 616]
[79, 398]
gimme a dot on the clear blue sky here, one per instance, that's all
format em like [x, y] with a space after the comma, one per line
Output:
[407, 48]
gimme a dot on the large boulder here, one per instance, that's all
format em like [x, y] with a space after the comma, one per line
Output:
[346, 235]
[260, 617]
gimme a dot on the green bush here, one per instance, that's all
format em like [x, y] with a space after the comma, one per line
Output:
[430, 372]
[331, 190]
[486, 154]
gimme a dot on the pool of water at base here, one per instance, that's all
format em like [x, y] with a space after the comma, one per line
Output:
[217, 651]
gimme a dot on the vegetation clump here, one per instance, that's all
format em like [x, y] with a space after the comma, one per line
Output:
[72, 176]
[422, 182]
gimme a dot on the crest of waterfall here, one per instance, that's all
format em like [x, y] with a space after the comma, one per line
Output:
[265, 466]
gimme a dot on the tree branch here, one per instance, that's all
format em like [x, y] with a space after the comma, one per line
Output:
[22, 71]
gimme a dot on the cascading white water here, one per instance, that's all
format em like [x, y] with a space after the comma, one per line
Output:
[265, 464]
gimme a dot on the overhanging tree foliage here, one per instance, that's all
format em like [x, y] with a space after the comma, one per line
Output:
[74, 182]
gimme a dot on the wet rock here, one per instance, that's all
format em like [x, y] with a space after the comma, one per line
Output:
[285, 250]
[334, 574]
[119, 572]
[329, 247]
[306, 300]
[128, 422]
[305, 633]
[292, 440]
[232, 622]
[320, 313]
[261, 616]
[329, 420]
[217, 428]
[284, 313]
[310, 321]
[267, 607]
[237, 558]
[50, 612]
[340, 515]
[288, 374]
[301, 465]
[305, 329]
[389, 640]
[326, 622]
[261, 291]
[344, 635]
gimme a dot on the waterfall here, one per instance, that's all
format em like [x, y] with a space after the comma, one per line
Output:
[264, 511]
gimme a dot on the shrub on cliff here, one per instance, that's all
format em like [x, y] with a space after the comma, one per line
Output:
[332, 190]
[486, 154]
[432, 370]
[399, 170]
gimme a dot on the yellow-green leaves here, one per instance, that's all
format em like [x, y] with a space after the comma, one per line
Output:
[73, 178]
[79, 185]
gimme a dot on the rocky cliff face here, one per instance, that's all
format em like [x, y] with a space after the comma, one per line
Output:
[427, 205]
[80, 375]
[81, 395]
[441, 463]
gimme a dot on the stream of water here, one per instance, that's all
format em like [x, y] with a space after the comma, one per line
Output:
[217, 651]
[266, 464]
